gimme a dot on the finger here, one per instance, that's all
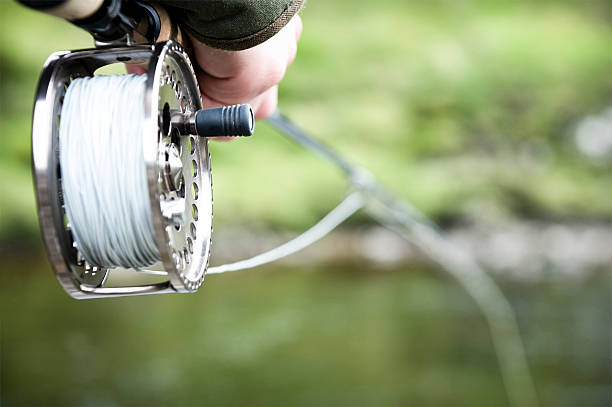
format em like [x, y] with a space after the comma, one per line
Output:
[241, 75]
[263, 105]
[247, 86]
[230, 64]
[135, 69]
[266, 105]
[221, 63]
[209, 103]
[298, 26]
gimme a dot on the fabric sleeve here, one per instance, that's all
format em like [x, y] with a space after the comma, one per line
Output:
[232, 24]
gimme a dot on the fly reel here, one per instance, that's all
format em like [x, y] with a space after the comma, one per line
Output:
[177, 172]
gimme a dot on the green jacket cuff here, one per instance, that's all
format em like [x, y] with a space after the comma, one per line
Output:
[232, 24]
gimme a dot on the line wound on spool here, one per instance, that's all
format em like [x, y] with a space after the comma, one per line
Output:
[103, 171]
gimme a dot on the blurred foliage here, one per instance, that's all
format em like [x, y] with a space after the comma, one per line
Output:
[465, 108]
[336, 334]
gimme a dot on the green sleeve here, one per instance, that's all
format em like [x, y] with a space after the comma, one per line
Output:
[232, 24]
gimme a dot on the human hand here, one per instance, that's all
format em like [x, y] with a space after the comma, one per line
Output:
[248, 76]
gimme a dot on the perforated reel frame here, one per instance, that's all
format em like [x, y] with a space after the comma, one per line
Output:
[183, 241]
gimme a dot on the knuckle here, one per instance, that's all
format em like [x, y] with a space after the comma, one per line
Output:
[299, 26]
[275, 74]
[292, 53]
[267, 107]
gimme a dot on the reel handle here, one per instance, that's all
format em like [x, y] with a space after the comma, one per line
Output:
[225, 121]
[237, 120]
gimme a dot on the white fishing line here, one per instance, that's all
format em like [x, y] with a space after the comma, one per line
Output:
[103, 171]
[351, 204]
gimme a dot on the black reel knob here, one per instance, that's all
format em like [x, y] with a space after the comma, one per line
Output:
[226, 121]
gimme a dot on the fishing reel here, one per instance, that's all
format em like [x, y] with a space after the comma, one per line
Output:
[172, 135]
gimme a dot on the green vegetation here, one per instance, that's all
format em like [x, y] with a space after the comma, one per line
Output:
[457, 106]
[338, 335]
[467, 109]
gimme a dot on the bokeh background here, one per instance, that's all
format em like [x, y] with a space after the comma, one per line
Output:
[492, 117]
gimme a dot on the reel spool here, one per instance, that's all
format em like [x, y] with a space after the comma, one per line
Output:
[177, 160]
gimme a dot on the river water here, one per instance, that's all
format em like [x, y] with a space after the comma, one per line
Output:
[341, 333]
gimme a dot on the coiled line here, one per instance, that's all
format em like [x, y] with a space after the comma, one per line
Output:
[103, 171]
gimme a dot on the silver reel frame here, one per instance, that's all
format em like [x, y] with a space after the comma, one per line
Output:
[177, 169]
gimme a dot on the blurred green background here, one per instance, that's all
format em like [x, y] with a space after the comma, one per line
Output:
[468, 109]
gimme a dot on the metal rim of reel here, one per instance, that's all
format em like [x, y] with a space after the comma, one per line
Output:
[177, 167]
